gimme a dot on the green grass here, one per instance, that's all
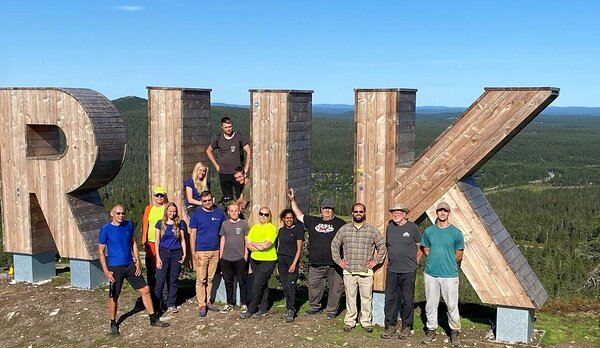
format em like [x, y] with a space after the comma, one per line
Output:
[569, 328]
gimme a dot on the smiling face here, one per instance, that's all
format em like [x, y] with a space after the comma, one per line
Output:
[358, 213]
[239, 177]
[442, 215]
[117, 214]
[201, 172]
[172, 212]
[159, 199]
[207, 202]
[234, 211]
[288, 220]
[327, 213]
[264, 215]
[398, 216]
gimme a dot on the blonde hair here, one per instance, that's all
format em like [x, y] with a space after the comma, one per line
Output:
[201, 185]
[176, 221]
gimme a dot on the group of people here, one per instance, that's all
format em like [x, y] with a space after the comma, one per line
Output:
[342, 256]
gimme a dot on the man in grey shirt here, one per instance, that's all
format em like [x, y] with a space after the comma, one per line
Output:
[403, 242]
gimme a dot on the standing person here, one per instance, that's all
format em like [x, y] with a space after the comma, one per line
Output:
[289, 247]
[152, 214]
[358, 240]
[322, 270]
[263, 259]
[403, 243]
[244, 199]
[170, 243]
[230, 145]
[234, 256]
[205, 225]
[443, 244]
[194, 186]
[116, 245]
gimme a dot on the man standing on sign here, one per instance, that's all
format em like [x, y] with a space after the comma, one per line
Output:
[115, 247]
[230, 145]
[323, 270]
[443, 244]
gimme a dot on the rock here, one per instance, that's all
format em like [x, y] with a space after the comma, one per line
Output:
[10, 315]
[54, 312]
[309, 338]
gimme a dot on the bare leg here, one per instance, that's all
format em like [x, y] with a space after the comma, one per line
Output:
[112, 308]
[147, 299]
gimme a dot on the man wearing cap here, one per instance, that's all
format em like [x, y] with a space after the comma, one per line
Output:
[443, 244]
[152, 213]
[403, 242]
[323, 270]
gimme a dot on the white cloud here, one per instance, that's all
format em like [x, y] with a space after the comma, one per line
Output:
[129, 8]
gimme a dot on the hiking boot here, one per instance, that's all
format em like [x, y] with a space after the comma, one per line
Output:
[114, 329]
[312, 312]
[158, 323]
[454, 339]
[390, 331]
[429, 337]
[404, 332]
[211, 307]
[368, 329]
[202, 311]
[244, 309]
[259, 315]
[330, 316]
[245, 315]
[228, 308]
[348, 328]
[289, 316]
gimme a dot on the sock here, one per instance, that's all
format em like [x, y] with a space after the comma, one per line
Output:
[153, 317]
[113, 322]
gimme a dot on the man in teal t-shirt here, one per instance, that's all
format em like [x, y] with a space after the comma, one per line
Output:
[443, 244]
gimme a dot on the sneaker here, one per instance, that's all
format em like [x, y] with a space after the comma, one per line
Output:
[454, 339]
[330, 316]
[348, 328]
[390, 331]
[114, 329]
[245, 315]
[429, 337]
[244, 309]
[368, 329]
[158, 323]
[259, 315]
[202, 311]
[405, 332]
[312, 312]
[289, 316]
[211, 307]
[173, 309]
[228, 308]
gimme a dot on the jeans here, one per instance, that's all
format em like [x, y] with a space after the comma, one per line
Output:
[170, 271]
[239, 269]
[402, 284]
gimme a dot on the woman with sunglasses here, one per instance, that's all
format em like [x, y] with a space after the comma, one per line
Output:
[194, 186]
[289, 247]
[263, 259]
[170, 242]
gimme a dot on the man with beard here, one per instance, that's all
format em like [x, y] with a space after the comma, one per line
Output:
[358, 240]
[322, 270]
[443, 244]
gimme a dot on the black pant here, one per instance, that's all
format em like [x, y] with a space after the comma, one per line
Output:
[403, 283]
[239, 269]
[170, 271]
[260, 289]
[288, 280]
[228, 183]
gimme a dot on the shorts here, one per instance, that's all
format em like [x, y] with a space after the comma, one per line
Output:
[121, 273]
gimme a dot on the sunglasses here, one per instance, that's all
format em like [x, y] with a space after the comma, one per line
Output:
[263, 214]
[159, 195]
[358, 211]
[119, 213]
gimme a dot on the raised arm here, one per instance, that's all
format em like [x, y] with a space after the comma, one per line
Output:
[292, 197]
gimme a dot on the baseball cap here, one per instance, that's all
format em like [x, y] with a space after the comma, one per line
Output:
[442, 205]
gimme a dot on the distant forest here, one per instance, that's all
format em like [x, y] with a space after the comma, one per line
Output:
[544, 184]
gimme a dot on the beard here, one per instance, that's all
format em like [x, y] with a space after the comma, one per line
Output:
[358, 218]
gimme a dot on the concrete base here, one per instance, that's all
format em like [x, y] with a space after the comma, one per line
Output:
[34, 268]
[514, 324]
[378, 303]
[87, 274]
[220, 294]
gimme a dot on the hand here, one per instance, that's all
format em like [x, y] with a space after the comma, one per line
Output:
[109, 276]
[371, 264]
[217, 168]
[291, 195]
[292, 269]
[182, 259]
[138, 268]
[344, 264]
[158, 263]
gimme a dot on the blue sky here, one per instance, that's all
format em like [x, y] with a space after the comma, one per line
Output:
[448, 50]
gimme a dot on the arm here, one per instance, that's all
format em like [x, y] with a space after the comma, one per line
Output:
[136, 257]
[419, 253]
[247, 150]
[250, 246]
[299, 214]
[193, 246]
[183, 244]
[381, 250]
[189, 194]
[108, 274]
[211, 157]
[292, 268]
[335, 250]
[221, 246]
[145, 223]
[157, 243]
[260, 245]
[459, 256]
[426, 251]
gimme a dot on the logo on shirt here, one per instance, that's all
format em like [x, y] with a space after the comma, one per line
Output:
[238, 230]
[406, 234]
[324, 228]
[232, 148]
[214, 219]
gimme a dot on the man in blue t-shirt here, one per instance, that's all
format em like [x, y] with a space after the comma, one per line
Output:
[443, 244]
[205, 225]
[116, 244]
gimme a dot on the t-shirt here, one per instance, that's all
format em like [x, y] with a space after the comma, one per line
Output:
[229, 151]
[442, 244]
[287, 239]
[156, 214]
[260, 233]
[118, 243]
[320, 235]
[401, 241]
[207, 225]
[235, 239]
[247, 193]
[168, 240]
[195, 194]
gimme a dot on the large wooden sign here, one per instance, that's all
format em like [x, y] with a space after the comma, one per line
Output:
[58, 146]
